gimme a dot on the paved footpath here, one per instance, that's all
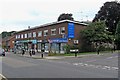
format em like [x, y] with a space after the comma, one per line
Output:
[45, 56]
[1, 76]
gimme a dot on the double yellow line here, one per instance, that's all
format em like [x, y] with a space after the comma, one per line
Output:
[3, 77]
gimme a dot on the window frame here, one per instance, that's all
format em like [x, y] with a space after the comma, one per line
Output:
[29, 35]
[53, 30]
[61, 29]
[45, 31]
[34, 34]
[25, 35]
[40, 34]
[22, 36]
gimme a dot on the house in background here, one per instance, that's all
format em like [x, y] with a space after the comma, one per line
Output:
[8, 42]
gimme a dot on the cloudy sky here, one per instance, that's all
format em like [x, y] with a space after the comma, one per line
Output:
[16, 15]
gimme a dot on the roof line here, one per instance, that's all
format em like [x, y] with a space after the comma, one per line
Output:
[57, 22]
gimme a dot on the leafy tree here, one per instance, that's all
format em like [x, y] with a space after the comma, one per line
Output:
[5, 33]
[65, 17]
[117, 36]
[110, 13]
[96, 34]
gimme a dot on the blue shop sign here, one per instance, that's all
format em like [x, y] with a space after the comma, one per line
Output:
[34, 41]
[71, 30]
[59, 40]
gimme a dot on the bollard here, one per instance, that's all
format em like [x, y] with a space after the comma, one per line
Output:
[75, 54]
[42, 55]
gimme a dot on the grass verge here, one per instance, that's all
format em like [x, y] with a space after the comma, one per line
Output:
[73, 54]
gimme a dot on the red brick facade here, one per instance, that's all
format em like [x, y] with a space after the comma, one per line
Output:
[56, 30]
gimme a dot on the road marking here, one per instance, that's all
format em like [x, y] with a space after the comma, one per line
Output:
[95, 66]
[75, 63]
[112, 57]
[1, 77]
[116, 68]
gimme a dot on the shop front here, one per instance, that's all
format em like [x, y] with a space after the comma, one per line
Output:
[43, 46]
[52, 45]
[26, 44]
[57, 45]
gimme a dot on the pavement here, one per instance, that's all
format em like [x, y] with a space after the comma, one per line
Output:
[45, 56]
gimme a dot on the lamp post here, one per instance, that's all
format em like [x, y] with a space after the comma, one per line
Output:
[114, 44]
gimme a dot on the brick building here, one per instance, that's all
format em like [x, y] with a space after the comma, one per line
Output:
[50, 37]
[8, 42]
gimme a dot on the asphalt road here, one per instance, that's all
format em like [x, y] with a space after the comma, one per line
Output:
[94, 66]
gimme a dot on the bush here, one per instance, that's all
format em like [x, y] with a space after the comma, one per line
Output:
[67, 49]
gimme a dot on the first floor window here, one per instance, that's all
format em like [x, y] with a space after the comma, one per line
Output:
[21, 35]
[62, 30]
[34, 34]
[29, 35]
[16, 36]
[53, 31]
[45, 32]
[25, 35]
[39, 33]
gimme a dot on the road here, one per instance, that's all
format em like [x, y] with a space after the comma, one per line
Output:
[94, 66]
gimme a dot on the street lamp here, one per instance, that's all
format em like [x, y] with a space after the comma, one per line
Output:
[114, 44]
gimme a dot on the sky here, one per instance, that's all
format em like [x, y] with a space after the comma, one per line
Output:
[16, 15]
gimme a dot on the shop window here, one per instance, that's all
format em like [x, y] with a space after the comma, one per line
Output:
[39, 33]
[34, 34]
[45, 32]
[53, 31]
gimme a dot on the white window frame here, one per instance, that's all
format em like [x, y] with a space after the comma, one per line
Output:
[53, 30]
[61, 29]
[21, 35]
[29, 35]
[45, 31]
[16, 36]
[25, 35]
[34, 34]
[39, 33]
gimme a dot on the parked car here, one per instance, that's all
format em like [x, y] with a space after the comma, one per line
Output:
[2, 52]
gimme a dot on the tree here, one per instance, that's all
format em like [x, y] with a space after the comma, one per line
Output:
[5, 33]
[110, 13]
[117, 36]
[65, 17]
[96, 34]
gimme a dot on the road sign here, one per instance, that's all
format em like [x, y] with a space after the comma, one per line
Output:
[71, 30]
[74, 50]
